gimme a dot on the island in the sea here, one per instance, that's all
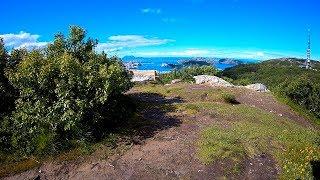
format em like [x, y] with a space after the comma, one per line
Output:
[165, 64]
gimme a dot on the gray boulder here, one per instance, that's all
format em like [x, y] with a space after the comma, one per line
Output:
[212, 81]
[175, 81]
[257, 87]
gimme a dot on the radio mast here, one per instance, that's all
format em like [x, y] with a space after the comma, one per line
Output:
[308, 61]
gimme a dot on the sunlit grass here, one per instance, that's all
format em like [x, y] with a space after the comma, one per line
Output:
[253, 132]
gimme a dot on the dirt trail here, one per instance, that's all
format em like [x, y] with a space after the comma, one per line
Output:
[170, 151]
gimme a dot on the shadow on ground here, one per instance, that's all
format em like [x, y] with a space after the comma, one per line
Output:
[153, 110]
[315, 169]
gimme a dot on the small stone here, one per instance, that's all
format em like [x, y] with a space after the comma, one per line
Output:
[263, 156]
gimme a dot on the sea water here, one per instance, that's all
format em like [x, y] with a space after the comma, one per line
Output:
[160, 64]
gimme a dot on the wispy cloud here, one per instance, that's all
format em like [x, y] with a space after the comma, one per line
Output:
[114, 43]
[151, 11]
[169, 20]
[127, 44]
[120, 42]
[23, 40]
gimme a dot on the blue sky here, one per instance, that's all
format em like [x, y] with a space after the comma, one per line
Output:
[234, 28]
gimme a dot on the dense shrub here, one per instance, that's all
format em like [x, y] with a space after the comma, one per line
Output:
[68, 92]
[272, 73]
[186, 74]
[229, 98]
[305, 93]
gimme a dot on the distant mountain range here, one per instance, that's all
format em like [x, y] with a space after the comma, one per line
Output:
[162, 64]
[182, 59]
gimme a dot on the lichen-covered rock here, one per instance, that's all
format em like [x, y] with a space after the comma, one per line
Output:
[175, 81]
[212, 81]
[258, 87]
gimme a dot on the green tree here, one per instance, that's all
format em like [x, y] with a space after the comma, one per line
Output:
[76, 44]
[67, 91]
[16, 57]
[6, 90]
[7, 98]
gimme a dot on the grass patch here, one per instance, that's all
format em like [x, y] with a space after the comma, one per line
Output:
[190, 109]
[186, 92]
[16, 167]
[254, 132]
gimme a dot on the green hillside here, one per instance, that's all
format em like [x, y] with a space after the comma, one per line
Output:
[297, 86]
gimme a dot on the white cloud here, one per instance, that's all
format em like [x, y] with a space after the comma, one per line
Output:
[151, 11]
[127, 43]
[23, 40]
[120, 42]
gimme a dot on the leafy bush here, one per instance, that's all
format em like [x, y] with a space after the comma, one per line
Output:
[229, 98]
[305, 93]
[186, 74]
[68, 92]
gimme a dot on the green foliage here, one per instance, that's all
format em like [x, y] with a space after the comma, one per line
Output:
[229, 98]
[7, 97]
[243, 82]
[6, 90]
[284, 77]
[186, 74]
[305, 93]
[76, 45]
[68, 92]
[16, 57]
[272, 73]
